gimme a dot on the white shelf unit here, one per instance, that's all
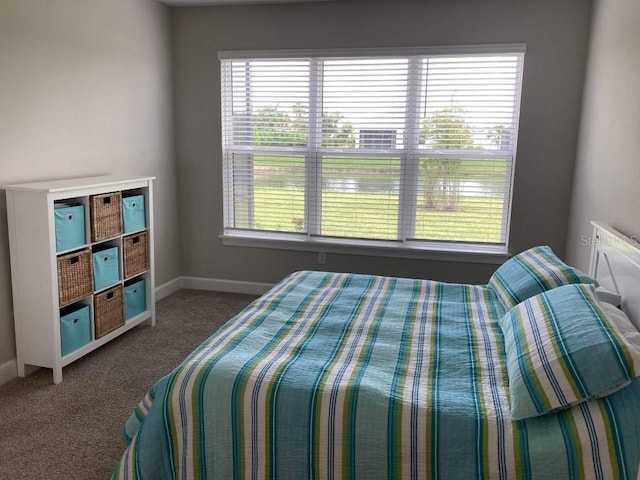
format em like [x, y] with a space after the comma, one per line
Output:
[32, 242]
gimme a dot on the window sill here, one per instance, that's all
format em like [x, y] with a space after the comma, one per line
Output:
[440, 251]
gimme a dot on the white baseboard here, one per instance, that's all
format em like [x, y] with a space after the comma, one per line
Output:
[168, 288]
[8, 371]
[233, 286]
[212, 284]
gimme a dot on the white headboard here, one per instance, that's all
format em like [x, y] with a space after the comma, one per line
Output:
[615, 263]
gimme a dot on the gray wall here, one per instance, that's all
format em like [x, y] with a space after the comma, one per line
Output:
[557, 36]
[607, 175]
[86, 90]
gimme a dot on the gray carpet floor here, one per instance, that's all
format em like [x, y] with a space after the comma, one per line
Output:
[73, 430]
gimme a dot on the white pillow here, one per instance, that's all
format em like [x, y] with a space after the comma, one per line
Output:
[621, 321]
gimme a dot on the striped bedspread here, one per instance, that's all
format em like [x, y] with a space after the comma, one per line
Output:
[364, 377]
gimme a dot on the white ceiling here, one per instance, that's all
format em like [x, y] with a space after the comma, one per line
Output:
[192, 3]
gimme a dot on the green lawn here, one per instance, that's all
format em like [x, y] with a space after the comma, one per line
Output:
[278, 195]
[371, 215]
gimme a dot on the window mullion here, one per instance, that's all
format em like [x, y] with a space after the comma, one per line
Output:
[313, 193]
[409, 171]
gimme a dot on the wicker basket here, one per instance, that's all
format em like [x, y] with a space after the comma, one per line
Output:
[135, 254]
[75, 277]
[106, 216]
[108, 307]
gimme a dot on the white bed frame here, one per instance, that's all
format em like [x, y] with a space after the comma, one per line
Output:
[615, 263]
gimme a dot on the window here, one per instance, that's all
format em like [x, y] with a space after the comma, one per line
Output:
[414, 148]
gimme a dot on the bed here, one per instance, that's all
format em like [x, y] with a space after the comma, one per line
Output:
[335, 375]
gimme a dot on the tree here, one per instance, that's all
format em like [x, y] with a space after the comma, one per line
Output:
[270, 126]
[446, 129]
[336, 132]
[274, 127]
[300, 123]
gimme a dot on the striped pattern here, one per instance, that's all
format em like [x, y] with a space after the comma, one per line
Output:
[532, 272]
[562, 350]
[337, 376]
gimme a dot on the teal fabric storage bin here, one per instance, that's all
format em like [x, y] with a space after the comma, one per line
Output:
[69, 222]
[106, 268]
[135, 299]
[133, 217]
[75, 328]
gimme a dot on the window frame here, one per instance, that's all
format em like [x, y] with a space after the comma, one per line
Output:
[410, 155]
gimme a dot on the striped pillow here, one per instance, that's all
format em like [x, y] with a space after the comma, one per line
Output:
[532, 272]
[562, 349]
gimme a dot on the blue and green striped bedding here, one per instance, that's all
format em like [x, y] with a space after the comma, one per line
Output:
[354, 376]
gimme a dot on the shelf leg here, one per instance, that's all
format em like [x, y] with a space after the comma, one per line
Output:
[57, 375]
[21, 369]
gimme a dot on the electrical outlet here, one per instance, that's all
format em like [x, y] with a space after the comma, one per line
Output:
[322, 258]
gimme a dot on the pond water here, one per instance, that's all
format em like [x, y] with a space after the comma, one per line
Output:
[355, 185]
[384, 184]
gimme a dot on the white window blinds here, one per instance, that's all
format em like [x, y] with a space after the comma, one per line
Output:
[407, 148]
